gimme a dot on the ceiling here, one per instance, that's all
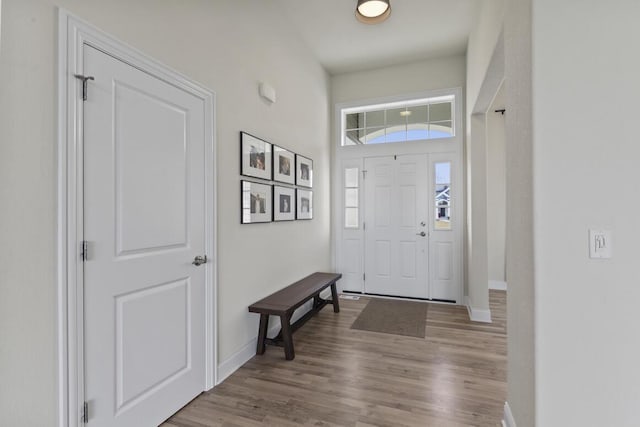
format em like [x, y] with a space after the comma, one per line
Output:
[416, 29]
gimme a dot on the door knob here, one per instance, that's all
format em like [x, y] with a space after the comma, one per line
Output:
[422, 233]
[199, 260]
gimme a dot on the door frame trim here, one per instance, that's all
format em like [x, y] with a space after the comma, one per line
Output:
[73, 33]
[354, 155]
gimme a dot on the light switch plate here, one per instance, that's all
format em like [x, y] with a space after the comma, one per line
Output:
[600, 244]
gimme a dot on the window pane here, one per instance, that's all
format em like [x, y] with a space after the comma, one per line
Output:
[397, 116]
[351, 177]
[443, 173]
[417, 114]
[442, 201]
[440, 130]
[355, 121]
[443, 218]
[417, 120]
[351, 197]
[374, 135]
[440, 112]
[354, 137]
[375, 119]
[418, 131]
[395, 134]
[351, 218]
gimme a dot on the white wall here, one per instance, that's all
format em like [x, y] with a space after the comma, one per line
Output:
[514, 18]
[483, 52]
[229, 47]
[476, 242]
[521, 368]
[586, 150]
[441, 73]
[27, 215]
[482, 42]
[496, 193]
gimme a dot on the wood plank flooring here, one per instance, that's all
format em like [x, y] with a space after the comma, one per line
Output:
[455, 376]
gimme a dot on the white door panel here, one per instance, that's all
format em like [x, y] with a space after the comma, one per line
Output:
[383, 259]
[165, 310]
[144, 218]
[408, 261]
[444, 261]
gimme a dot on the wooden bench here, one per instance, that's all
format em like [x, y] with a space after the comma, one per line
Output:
[284, 302]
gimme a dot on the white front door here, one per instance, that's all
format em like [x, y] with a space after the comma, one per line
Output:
[396, 218]
[144, 204]
[410, 208]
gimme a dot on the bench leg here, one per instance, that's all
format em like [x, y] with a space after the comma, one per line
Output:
[262, 333]
[334, 298]
[287, 337]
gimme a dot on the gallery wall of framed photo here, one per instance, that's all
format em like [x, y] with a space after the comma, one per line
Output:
[279, 185]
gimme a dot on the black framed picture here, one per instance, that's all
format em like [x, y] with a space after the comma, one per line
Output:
[283, 165]
[284, 203]
[304, 204]
[304, 171]
[257, 202]
[255, 157]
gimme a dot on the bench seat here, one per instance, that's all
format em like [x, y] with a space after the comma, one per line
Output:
[285, 301]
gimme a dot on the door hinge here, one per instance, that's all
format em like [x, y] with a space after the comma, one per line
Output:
[84, 417]
[84, 79]
[84, 250]
[364, 277]
[364, 225]
[364, 174]
[395, 157]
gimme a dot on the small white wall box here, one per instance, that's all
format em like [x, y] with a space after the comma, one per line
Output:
[267, 92]
[600, 244]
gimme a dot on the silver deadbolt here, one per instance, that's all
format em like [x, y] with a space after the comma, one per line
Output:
[199, 260]
[422, 233]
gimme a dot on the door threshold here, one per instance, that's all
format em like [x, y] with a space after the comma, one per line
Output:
[435, 300]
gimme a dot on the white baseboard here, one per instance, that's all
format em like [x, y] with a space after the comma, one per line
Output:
[507, 418]
[497, 285]
[476, 314]
[242, 356]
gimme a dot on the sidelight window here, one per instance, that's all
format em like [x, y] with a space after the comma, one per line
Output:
[442, 201]
[351, 199]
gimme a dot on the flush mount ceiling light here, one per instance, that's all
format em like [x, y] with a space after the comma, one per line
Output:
[373, 11]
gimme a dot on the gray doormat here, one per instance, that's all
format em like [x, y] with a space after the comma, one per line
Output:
[393, 317]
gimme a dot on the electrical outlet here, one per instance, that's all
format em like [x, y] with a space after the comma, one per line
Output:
[600, 244]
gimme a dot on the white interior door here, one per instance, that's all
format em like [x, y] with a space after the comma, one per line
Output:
[396, 232]
[144, 204]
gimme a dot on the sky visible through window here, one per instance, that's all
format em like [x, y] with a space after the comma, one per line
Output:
[410, 135]
[443, 173]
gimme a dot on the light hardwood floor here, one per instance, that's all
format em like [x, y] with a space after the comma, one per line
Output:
[456, 376]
